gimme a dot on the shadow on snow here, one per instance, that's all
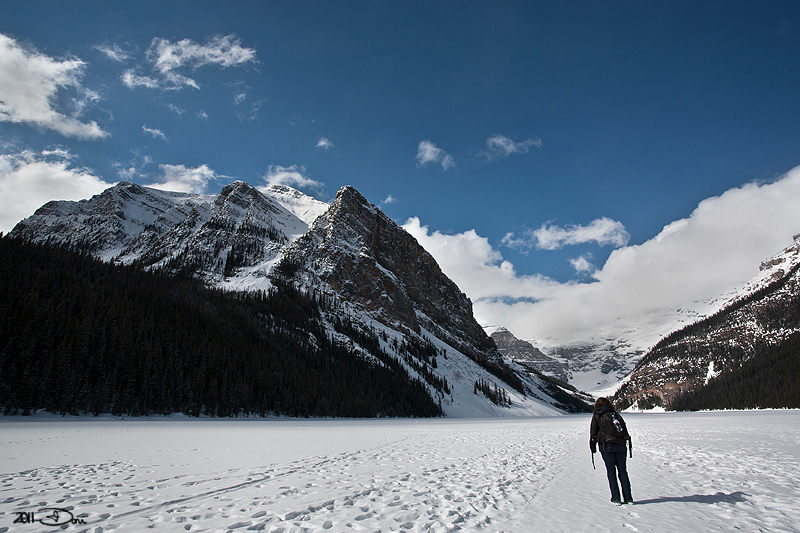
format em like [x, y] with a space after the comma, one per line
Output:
[719, 497]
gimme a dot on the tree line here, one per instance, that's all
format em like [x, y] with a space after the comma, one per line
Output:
[81, 336]
[768, 380]
[757, 372]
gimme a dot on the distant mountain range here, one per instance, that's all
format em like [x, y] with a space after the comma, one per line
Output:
[746, 355]
[375, 290]
[381, 296]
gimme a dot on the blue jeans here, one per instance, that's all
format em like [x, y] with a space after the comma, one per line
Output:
[614, 456]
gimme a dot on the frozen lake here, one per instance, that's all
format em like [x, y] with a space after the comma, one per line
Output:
[690, 472]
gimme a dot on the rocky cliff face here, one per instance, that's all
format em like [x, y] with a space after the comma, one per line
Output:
[238, 233]
[105, 224]
[524, 352]
[366, 257]
[766, 312]
[389, 295]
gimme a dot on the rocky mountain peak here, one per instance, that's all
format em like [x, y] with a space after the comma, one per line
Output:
[366, 256]
[379, 284]
[527, 354]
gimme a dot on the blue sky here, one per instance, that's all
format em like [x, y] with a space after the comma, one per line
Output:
[541, 137]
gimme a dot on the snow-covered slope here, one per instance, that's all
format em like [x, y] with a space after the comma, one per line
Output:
[598, 365]
[231, 239]
[385, 286]
[764, 313]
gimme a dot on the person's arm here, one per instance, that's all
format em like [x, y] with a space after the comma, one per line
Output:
[624, 425]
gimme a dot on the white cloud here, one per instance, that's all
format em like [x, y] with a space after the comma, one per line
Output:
[29, 83]
[156, 133]
[131, 80]
[252, 113]
[427, 152]
[240, 90]
[170, 60]
[501, 146]
[239, 97]
[389, 200]
[225, 51]
[179, 178]
[28, 180]
[602, 231]
[324, 143]
[175, 109]
[293, 176]
[582, 265]
[476, 267]
[129, 170]
[718, 248]
[114, 52]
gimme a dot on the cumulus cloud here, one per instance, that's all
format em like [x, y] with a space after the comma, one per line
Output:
[715, 250]
[29, 84]
[324, 143]
[179, 178]
[500, 146]
[602, 231]
[156, 133]
[170, 61]
[30, 179]
[582, 265]
[389, 200]
[293, 176]
[476, 267]
[427, 153]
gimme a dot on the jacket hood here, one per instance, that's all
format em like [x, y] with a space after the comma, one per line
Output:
[603, 409]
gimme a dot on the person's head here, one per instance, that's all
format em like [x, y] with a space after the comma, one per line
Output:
[603, 401]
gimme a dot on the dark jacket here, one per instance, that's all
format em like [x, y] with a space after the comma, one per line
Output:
[597, 437]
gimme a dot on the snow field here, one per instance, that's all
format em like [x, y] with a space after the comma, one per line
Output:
[690, 472]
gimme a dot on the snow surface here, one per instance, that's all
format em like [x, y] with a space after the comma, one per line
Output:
[714, 471]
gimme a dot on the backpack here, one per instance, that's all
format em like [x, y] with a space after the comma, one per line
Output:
[612, 429]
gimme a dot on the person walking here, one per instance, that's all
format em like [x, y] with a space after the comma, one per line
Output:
[609, 432]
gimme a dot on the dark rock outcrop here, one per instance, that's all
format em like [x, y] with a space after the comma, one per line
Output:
[366, 257]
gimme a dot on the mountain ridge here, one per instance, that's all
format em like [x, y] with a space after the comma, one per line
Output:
[762, 316]
[379, 277]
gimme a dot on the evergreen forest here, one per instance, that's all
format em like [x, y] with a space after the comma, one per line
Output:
[768, 380]
[81, 336]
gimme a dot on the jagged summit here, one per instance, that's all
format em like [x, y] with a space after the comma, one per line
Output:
[525, 353]
[362, 253]
[383, 284]
[231, 238]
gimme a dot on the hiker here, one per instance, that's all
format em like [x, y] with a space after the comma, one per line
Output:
[608, 431]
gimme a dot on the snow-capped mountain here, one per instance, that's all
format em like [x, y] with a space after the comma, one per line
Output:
[231, 239]
[367, 258]
[244, 239]
[764, 314]
[524, 352]
[599, 363]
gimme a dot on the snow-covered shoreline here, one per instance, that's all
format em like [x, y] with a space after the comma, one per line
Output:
[709, 471]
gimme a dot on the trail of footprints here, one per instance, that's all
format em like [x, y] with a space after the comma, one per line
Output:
[406, 486]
